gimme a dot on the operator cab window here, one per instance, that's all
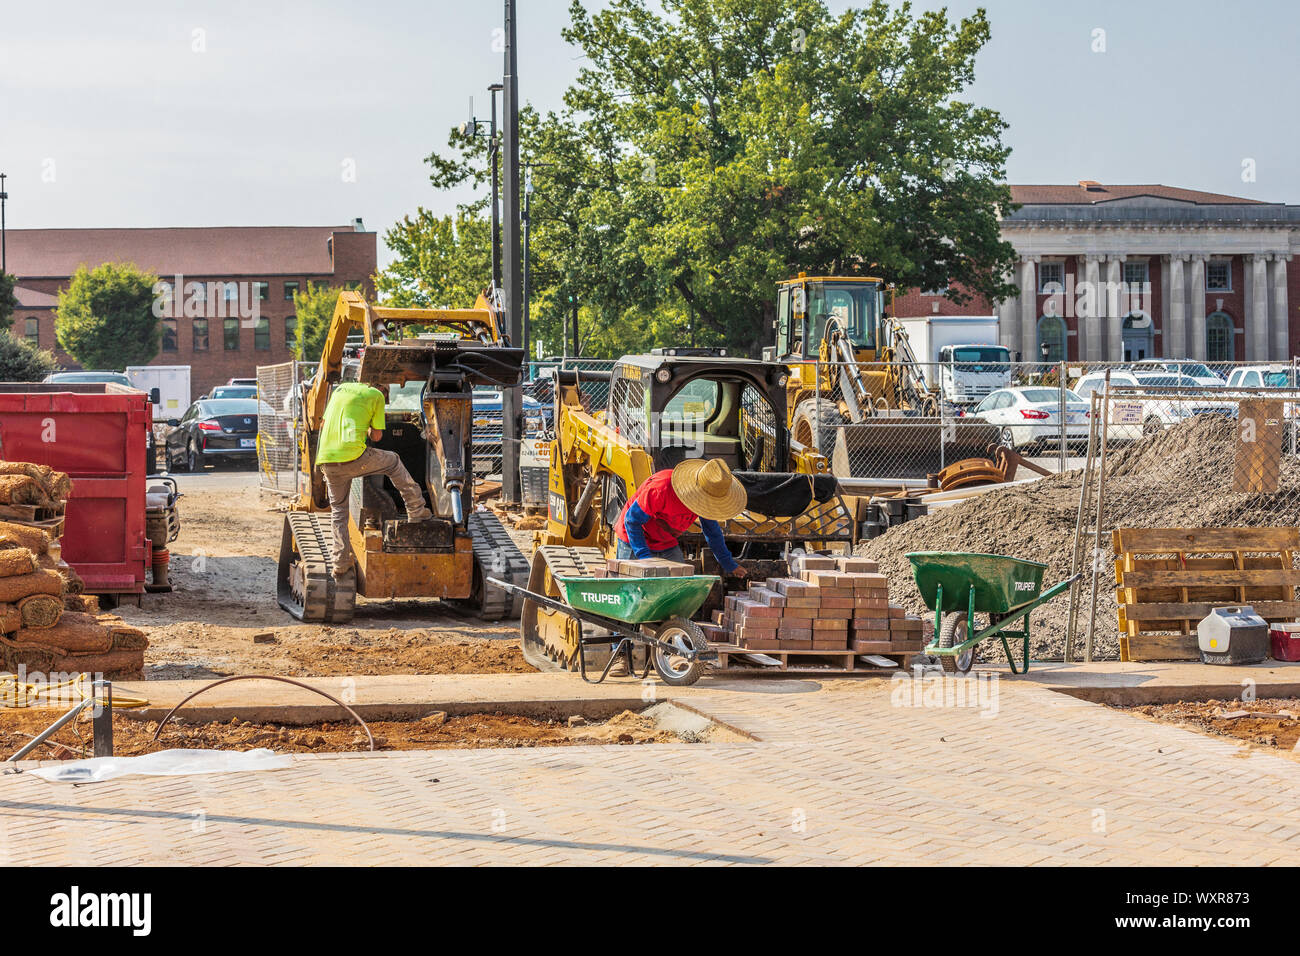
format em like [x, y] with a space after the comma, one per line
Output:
[851, 305]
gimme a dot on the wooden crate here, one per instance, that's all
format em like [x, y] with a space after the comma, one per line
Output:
[1168, 579]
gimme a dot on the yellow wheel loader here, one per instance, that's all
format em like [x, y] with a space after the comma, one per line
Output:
[427, 363]
[856, 389]
[660, 409]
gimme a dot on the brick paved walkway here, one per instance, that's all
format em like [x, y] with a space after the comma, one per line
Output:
[838, 775]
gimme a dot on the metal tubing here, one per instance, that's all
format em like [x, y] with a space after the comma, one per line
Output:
[1101, 499]
[50, 730]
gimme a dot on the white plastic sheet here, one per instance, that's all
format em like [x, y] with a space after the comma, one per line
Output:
[164, 763]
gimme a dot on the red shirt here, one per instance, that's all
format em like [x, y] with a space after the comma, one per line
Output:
[658, 500]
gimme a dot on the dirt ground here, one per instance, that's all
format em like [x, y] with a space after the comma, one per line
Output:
[474, 731]
[223, 571]
[1272, 723]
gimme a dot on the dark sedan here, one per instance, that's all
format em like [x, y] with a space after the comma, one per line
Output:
[212, 429]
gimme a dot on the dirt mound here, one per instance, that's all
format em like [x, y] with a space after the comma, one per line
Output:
[1181, 477]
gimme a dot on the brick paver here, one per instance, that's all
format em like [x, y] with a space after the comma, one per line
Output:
[838, 774]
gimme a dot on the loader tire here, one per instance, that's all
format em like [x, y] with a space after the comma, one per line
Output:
[807, 423]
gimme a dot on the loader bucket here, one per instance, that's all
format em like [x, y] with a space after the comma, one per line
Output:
[905, 446]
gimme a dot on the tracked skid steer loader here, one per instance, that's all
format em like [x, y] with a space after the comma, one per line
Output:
[427, 363]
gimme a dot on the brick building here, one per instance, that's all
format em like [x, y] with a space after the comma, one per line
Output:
[209, 279]
[1210, 272]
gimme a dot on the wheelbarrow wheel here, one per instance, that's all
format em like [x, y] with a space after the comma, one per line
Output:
[952, 631]
[674, 669]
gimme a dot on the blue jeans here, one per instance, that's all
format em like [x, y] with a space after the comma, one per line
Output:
[624, 552]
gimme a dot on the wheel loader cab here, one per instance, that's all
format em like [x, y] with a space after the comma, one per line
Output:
[805, 307]
[701, 407]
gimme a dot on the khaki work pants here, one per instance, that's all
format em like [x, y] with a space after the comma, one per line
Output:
[338, 480]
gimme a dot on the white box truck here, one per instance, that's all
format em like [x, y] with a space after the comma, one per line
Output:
[959, 355]
[172, 382]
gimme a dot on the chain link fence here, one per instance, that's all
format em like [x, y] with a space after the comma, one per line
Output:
[280, 392]
[1189, 499]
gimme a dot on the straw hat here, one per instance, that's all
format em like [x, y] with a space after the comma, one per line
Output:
[709, 489]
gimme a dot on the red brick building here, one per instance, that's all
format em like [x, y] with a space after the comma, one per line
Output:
[209, 279]
[1213, 271]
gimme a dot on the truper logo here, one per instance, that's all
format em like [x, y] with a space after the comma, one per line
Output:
[75, 908]
[601, 598]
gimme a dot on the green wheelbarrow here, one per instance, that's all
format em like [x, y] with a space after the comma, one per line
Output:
[958, 585]
[654, 613]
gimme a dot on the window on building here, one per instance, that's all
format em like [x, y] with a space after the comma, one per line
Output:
[353, 285]
[941, 290]
[291, 332]
[262, 335]
[32, 330]
[1050, 273]
[231, 291]
[1136, 273]
[230, 332]
[163, 297]
[1218, 276]
[1051, 332]
[289, 289]
[200, 330]
[263, 290]
[169, 336]
[1218, 337]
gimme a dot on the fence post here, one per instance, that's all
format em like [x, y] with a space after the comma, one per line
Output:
[1061, 414]
[817, 406]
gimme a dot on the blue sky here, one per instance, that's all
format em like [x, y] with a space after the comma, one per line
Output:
[176, 112]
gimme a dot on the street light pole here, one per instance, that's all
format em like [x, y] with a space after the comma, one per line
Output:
[494, 151]
[527, 228]
[4, 252]
[511, 399]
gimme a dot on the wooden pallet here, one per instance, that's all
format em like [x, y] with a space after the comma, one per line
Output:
[809, 661]
[1168, 579]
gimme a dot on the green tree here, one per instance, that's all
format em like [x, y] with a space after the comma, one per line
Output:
[8, 301]
[20, 361]
[438, 261]
[315, 308]
[106, 317]
[763, 137]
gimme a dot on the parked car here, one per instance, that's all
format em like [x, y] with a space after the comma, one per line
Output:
[1131, 416]
[211, 430]
[1031, 415]
[1198, 372]
[89, 375]
[1262, 376]
[486, 435]
[234, 391]
[243, 381]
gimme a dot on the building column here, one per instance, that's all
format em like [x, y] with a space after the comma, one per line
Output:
[1196, 347]
[1114, 314]
[1258, 330]
[1009, 321]
[1281, 320]
[1029, 309]
[1090, 324]
[1175, 333]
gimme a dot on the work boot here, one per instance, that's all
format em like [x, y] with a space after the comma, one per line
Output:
[343, 570]
[415, 517]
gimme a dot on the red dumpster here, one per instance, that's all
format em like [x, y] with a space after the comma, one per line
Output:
[96, 432]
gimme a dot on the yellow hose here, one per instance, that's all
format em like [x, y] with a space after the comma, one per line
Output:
[16, 693]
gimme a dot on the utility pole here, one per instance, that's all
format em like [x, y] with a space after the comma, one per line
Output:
[4, 252]
[494, 150]
[527, 228]
[511, 399]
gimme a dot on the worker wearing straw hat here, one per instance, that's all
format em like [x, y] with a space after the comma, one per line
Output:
[670, 501]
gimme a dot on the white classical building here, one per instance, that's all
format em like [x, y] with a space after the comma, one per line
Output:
[1213, 274]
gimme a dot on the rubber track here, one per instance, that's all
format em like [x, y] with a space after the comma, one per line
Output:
[497, 555]
[329, 600]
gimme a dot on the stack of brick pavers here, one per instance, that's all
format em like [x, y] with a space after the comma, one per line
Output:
[643, 568]
[828, 604]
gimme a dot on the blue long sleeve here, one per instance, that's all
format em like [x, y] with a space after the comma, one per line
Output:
[634, 524]
[712, 532]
